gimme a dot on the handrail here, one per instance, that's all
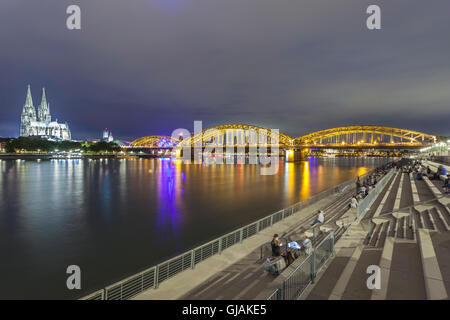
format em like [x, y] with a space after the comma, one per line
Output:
[153, 276]
[296, 283]
[379, 187]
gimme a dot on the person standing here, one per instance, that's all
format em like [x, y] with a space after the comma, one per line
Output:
[276, 250]
[358, 185]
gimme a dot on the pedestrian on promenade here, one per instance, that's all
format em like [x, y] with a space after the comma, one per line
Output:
[358, 185]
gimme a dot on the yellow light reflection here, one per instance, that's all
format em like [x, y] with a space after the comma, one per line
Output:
[304, 190]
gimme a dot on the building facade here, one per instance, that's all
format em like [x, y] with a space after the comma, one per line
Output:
[40, 123]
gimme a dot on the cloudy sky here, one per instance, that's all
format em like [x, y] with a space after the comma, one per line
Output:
[142, 67]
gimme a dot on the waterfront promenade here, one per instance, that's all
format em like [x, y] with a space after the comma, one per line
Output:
[237, 273]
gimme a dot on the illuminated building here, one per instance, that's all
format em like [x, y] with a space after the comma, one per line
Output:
[41, 124]
[107, 135]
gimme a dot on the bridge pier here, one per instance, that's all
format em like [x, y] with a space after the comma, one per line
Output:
[293, 155]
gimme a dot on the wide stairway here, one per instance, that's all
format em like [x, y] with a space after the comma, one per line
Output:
[408, 238]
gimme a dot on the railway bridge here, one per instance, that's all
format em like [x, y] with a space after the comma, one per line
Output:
[243, 138]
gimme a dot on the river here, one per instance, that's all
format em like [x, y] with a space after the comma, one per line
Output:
[113, 218]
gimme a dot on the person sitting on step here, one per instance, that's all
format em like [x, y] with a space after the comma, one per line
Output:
[447, 184]
[320, 218]
[306, 244]
[275, 244]
[354, 202]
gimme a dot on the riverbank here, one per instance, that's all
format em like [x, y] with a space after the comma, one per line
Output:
[47, 156]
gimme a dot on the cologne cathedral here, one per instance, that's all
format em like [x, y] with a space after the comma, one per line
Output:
[41, 124]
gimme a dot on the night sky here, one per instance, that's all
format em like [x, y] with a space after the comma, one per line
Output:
[143, 67]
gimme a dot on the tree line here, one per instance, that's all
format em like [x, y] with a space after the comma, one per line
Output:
[43, 145]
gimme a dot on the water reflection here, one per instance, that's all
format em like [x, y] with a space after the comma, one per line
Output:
[170, 190]
[115, 217]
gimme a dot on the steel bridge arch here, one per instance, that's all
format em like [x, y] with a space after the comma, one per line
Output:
[413, 137]
[210, 133]
[154, 142]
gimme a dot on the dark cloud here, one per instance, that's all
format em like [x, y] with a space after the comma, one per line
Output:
[144, 67]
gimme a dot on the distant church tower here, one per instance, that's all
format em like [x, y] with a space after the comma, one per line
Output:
[28, 116]
[44, 109]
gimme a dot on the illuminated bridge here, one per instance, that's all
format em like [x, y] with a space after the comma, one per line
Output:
[370, 136]
[243, 135]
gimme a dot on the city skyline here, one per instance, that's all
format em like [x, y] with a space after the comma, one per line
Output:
[268, 65]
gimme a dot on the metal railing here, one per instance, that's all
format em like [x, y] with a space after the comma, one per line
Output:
[152, 277]
[304, 274]
[367, 201]
[275, 295]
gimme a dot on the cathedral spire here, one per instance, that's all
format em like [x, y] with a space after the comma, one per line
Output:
[44, 110]
[29, 100]
[44, 99]
[28, 115]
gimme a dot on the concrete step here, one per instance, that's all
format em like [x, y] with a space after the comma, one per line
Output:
[441, 245]
[383, 235]
[376, 233]
[406, 275]
[415, 192]
[439, 221]
[385, 269]
[400, 231]
[398, 196]
[392, 196]
[344, 278]
[427, 220]
[392, 228]
[379, 201]
[434, 282]
[372, 227]
[423, 190]
[383, 206]
[356, 288]
[439, 184]
[407, 196]
[444, 211]
[418, 219]
[327, 281]
[434, 190]
[409, 228]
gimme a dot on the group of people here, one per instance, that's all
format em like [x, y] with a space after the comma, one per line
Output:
[289, 255]
[419, 171]
[442, 171]
[363, 188]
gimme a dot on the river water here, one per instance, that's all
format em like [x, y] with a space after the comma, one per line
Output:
[114, 218]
